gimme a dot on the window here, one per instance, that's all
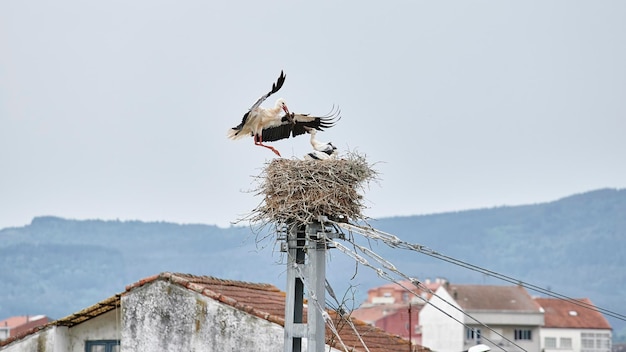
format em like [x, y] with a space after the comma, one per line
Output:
[550, 342]
[587, 341]
[102, 346]
[566, 343]
[523, 334]
[472, 334]
[595, 342]
[603, 341]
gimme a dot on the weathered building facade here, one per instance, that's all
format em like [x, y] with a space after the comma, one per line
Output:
[181, 312]
[453, 321]
[573, 326]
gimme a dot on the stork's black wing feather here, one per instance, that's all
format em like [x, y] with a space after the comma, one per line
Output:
[275, 88]
[243, 122]
[296, 124]
[279, 83]
[303, 121]
[275, 133]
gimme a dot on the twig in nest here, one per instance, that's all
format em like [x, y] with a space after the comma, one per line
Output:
[299, 191]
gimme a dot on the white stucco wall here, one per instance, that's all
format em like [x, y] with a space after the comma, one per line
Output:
[64, 339]
[508, 331]
[440, 332]
[42, 341]
[505, 323]
[165, 317]
[507, 317]
[573, 334]
[106, 326]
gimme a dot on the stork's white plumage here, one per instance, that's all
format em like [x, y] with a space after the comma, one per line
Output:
[321, 150]
[270, 124]
[316, 155]
[257, 118]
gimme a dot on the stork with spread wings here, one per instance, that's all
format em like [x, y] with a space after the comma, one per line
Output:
[275, 123]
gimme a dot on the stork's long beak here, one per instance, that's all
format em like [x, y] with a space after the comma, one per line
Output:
[285, 109]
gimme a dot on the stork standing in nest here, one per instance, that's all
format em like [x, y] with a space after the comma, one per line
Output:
[321, 150]
[270, 124]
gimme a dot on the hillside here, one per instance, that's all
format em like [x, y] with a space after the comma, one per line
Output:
[573, 246]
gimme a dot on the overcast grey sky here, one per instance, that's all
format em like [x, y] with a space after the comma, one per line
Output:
[119, 109]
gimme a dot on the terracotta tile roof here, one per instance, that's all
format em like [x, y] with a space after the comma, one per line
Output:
[376, 339]
[263, 300]
[20, 324]
[268, 302]
[372, 313]
[399, 286]
[71, 320]
[491, 297]
[564, 314]
[14, 322]
[395, 286]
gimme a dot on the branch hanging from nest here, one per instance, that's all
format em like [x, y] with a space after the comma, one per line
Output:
[299, 191]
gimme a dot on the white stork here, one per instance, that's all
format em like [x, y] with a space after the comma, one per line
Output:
[269, 124]
[321, 150]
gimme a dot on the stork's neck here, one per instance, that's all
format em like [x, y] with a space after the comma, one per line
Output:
[313, 141]
[317, 145]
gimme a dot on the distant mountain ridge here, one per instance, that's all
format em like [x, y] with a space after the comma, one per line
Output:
[574, 246]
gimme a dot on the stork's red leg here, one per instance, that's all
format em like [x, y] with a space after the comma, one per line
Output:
[257, 141]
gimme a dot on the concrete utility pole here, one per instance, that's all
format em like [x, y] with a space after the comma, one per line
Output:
[301, 242]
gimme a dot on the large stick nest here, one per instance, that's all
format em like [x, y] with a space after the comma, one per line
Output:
[300, 191]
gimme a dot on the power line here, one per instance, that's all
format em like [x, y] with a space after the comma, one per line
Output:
[395, 242]
[384, 275]
[526, 285]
